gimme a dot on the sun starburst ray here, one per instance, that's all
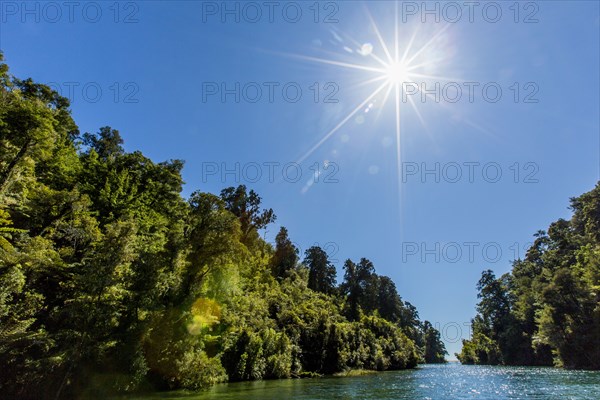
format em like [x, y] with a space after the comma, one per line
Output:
[379, 60]
[398, 151]
[341, 123]
[367, 82]
[426, 45]
[409, 45]
[380, 38]
[397, 62]
[425, 64]
[338, 63]
[416, 110]
[385, 99]
[396, 35]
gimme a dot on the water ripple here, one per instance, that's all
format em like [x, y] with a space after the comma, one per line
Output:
[450, 381]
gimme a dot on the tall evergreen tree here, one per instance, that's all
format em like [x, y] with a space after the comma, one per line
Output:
[322, 274]
[435, 350]
[285, 257]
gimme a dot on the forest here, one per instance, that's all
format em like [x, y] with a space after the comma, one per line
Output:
[111, 281]
[546, 311]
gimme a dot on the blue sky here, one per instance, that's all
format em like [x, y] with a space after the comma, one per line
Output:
[162, 66]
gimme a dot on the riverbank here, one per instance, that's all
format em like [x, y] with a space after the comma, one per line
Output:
[356, 372]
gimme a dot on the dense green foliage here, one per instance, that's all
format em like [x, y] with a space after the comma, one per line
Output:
[111, 281]
[547, 310]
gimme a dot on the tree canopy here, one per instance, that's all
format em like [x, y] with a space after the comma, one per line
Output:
[111, 281]
[546, 311]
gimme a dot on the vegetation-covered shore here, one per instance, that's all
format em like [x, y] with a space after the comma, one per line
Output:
[546, 311]
[111, 281]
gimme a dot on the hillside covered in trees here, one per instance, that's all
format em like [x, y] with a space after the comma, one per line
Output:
[547, 310]
[111, 281]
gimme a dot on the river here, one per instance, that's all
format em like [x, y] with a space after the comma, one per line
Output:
[450, 381]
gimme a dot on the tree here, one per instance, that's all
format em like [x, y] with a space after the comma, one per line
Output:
[494, 304]
[322, 274]
[34, 122]
[246, 206]
[213, 235]
[106, 143]
[285, 257]
[435, 350]
[360, 287]
[389, 303]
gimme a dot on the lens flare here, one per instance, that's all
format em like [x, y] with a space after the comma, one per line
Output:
[406, 57]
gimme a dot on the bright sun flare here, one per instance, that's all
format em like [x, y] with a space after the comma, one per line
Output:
[391, 65]
[397, 73]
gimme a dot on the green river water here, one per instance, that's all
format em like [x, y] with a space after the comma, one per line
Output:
[450, 381]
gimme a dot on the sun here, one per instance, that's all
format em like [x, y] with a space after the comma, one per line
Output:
[392, 65]
[397, 73]
[410, 58]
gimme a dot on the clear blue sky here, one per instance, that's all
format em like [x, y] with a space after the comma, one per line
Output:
[161, 67]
